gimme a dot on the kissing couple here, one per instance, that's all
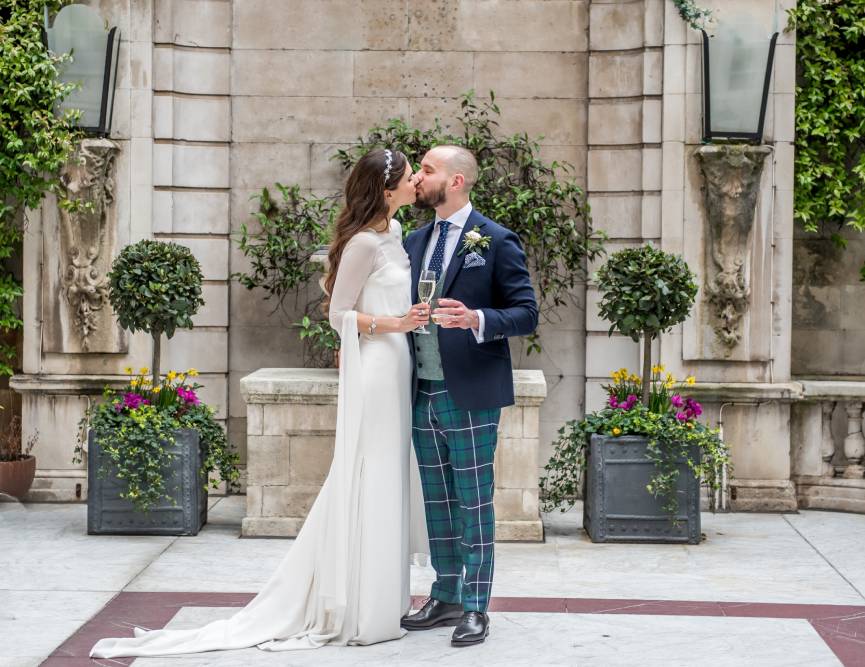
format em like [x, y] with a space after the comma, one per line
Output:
[420, 395]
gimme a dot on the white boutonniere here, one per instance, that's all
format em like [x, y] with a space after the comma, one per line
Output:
[475, 242]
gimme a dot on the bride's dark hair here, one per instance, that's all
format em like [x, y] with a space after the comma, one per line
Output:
[365, 204]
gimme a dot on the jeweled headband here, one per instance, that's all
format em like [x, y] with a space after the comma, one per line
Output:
[388, 157]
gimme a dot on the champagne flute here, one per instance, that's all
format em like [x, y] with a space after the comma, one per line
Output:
[426, 287]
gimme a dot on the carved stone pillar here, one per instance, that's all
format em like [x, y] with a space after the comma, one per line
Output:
[854, 443]
[79, 248]
[732, 182]
[827, 442]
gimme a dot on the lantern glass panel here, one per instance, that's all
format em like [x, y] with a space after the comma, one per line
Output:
[80, 31]
[738, 53]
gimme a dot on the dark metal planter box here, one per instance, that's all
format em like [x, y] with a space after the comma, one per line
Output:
[617, 506]
[109, 514]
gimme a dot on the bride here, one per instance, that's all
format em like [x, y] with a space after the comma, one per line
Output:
[345, 579]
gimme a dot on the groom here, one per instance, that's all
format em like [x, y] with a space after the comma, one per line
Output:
[462, 380]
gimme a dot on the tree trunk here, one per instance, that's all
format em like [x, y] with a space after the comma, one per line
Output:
[647, 367]
[157, 341]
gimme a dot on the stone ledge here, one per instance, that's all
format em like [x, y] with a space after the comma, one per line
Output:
[519, 531]
[321, 385]
[66, 384]
[832, 390]
[763, 495]
[831, 493]
[750, 392]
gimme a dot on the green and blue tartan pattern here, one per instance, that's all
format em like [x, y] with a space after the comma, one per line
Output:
[455, 450]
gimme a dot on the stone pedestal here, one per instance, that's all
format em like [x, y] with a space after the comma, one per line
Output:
[291, 422]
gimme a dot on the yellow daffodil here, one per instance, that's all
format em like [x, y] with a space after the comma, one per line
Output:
[133, 382]
[658, 369]
[171, 375]
[617, 431]
[128, 370]
[157, 389]
[192, 372]
[669, 385]
[146, 382]
[144, 370]
[634, 378]
[691, 380]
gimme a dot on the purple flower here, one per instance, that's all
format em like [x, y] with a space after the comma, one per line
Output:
[133, 401]
[676, 401]
[613, 402]
[693, 407]
[188, 396]
[681, 416]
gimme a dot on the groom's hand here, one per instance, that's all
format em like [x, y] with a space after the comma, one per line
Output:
[456, 315]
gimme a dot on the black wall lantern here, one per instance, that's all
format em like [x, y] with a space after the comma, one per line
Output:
[81, 31]
[737, 68]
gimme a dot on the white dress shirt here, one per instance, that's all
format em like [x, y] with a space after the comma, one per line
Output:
[455, 229]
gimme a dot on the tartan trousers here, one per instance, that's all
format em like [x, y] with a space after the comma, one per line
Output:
[455, 450]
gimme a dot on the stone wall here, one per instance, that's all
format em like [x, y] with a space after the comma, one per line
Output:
[305, 83]
[828, 312]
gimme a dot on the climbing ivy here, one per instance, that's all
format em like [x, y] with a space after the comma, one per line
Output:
[830, 115]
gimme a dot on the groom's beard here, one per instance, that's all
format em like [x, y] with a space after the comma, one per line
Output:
[431, 199]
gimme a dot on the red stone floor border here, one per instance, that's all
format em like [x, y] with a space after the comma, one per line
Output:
[842, 627]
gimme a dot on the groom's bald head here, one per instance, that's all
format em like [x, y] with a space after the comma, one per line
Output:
[457, 160]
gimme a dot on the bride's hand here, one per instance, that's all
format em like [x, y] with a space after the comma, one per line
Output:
[417, 315]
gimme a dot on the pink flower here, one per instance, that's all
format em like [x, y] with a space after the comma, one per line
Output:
[188, 396]
[681, 416]
[695, 408]
[132, 400]
[676, 401]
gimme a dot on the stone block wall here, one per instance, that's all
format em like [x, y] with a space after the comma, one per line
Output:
[625, 87]
[309, 78]
[291, 421]
[828, 306]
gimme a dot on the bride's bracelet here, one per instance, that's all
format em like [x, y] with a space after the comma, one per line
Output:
[372, 326]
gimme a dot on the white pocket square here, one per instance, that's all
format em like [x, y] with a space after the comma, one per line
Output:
[473, 259]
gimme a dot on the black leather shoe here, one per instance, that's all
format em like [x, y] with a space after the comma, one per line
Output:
[473, 629]
[433, 614]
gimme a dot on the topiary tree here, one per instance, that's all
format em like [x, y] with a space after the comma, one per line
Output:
[645, 291]
[155, 287]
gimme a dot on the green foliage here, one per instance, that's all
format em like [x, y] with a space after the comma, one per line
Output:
[322, 336]
[155, 287]
[291, 232]
[696, 17]
[34, 143]
[136, 424]
[830, 114]
[540, 202]
[645, 290]
[670, 425]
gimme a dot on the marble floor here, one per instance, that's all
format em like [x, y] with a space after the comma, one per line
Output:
[762, 589]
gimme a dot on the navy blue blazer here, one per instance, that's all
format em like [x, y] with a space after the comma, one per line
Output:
[479, 376]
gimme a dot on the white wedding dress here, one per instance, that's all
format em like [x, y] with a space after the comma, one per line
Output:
[345, 579]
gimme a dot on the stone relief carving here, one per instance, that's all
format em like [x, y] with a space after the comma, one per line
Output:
[86, 239]
[732, 175]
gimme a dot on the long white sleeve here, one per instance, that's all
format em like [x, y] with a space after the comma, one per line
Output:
[355, 266]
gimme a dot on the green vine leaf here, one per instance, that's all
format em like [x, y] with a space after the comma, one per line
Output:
[541, 202]
[829, 192]
[696, 17]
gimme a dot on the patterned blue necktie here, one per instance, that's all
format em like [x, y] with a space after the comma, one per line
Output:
[438, 256]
